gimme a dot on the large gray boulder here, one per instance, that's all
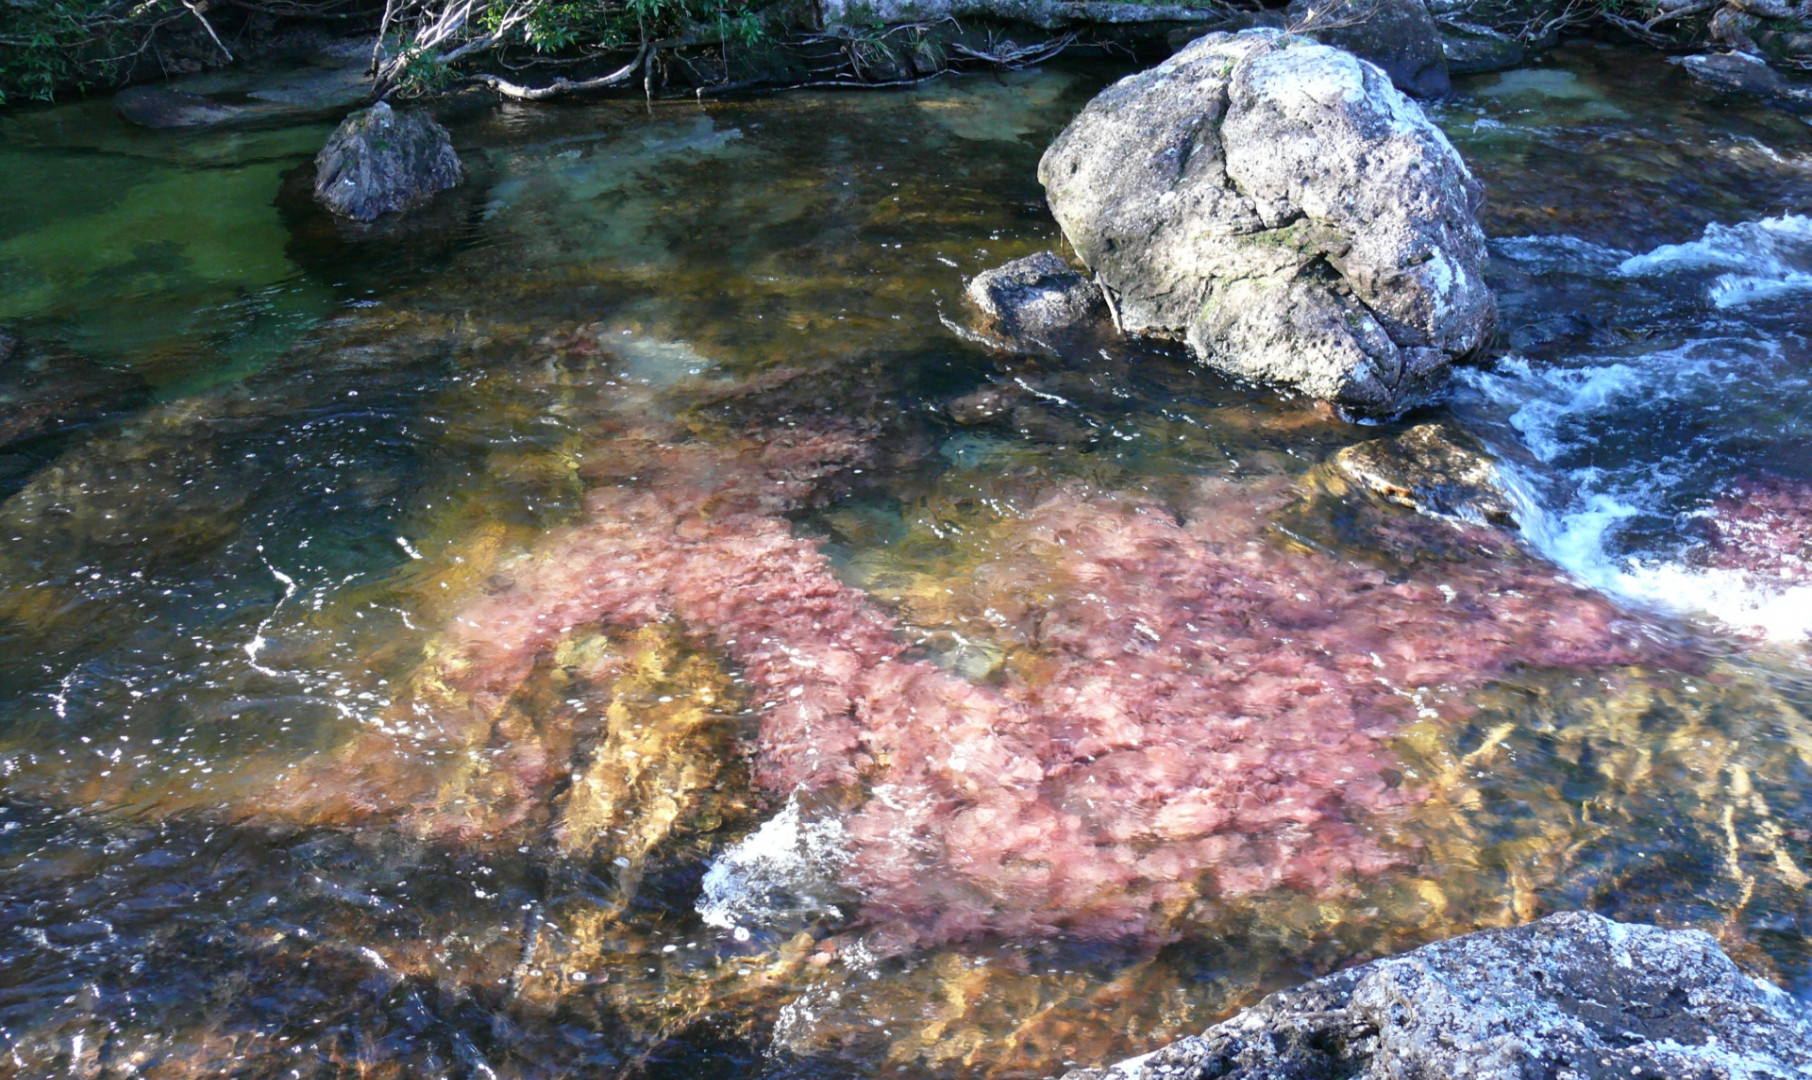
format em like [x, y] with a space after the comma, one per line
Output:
[381, 161]
[1573, 997]
[1276, 203]
[1397, 35]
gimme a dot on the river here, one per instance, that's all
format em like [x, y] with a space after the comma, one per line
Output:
[613, 624]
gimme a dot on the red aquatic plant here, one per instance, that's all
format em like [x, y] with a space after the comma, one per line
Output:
[1194, 709]
[1206, 706]
[1764, 526]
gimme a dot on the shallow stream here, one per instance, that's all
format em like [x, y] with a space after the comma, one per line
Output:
[614, 625]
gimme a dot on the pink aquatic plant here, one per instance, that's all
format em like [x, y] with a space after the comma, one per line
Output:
[1208, 706]
[1764, 526]
[1196, 709]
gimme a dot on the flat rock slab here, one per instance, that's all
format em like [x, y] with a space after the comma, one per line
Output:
[158, 107]
[315, 88]
[1572, 997]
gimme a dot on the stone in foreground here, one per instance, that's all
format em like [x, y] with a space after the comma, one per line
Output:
[1031, 302]
[381, 161]
[1573, 997]
[1281, 207]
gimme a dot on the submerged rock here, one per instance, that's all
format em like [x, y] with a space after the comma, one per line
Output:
[381, 161]
[1575, 995]
[1397, 35]
[47, 393]
[1742, 73]
[156, 107]
[1279, 205]
[1476, 50]
[1031, 301]
[1433, 469]
[1762, 526]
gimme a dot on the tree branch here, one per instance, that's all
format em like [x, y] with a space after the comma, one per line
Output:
[518, 92]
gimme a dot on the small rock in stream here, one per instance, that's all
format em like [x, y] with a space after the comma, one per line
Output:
[381, 161]
[1032, 301]
[1476, 50]
[1397, 35]
[1572, 997]
[1433, 469]
[1742, 73]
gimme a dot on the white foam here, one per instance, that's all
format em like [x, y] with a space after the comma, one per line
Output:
[1738, 599]
[787, 868]
[1560, 252]
[1574, 508]
[1765, 259]
[1581, 539]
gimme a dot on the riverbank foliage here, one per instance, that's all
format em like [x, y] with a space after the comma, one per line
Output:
[56, 48]
[426, 38]
[51, 46]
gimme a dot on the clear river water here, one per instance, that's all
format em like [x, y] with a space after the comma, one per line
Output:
[612, 623]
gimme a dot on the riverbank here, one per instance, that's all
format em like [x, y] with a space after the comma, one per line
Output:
[738, 47]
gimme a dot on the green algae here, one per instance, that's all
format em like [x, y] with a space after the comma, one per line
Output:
[156, 251]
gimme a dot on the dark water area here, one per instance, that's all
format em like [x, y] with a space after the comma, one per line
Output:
[614, 625]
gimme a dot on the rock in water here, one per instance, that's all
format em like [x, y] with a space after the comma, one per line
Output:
[1475, 50]
[1741, 73]
[157, 107]
[381, 161]
[1433, 469]
[1279, 205]
[1397, 35]
[1572, 996]
[1032, 301]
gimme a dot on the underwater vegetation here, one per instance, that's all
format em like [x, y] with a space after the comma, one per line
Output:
[1763, 526]
[1185, 705]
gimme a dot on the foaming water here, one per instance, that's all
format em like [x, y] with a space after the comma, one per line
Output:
[1635, 453]
[784, 870]
[1762, 260]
